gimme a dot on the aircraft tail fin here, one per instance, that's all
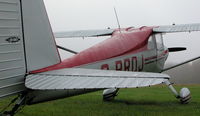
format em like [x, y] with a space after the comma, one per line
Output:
[40, 47]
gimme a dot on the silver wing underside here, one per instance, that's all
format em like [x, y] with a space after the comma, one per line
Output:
[92, 79]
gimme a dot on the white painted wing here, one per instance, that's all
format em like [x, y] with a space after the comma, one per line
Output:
[84, 33]
[177, 28]
[76, 78]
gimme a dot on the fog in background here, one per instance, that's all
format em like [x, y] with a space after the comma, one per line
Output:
[66, 15]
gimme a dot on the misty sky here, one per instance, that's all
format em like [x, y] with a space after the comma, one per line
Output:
[99, 14]
[92, 14]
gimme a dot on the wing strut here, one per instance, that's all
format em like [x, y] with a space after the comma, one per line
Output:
[66, 49]
[182, 63]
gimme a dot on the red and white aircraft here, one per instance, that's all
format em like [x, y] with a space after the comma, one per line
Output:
[30, 65]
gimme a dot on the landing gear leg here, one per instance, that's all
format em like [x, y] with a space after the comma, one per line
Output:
[20, 102]
[184, 94]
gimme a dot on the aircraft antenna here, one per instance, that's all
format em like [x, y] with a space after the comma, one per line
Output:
[117, 19]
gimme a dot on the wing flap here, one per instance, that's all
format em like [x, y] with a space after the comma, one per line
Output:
[84, 33]
[177, 28]
[91, 79]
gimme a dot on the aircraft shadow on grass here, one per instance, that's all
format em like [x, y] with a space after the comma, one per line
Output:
[151, 102]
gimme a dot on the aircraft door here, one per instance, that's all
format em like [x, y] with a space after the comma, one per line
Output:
[159, 42]
[160, 49]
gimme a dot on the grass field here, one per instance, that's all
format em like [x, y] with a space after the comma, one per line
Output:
[150, 101]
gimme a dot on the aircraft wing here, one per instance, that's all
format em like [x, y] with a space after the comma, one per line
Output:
[106, 32]
[84, 33]
[76, 78]
[177, 28]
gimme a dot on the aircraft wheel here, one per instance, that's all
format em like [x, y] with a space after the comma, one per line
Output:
[109, 94]
[185, 95]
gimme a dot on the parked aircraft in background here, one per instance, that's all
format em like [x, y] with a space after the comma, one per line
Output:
[30, 65]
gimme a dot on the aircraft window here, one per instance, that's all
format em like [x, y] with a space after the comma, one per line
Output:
[159, 42]
[151, 44]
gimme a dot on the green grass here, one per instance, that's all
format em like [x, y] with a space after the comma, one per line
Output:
[150, 101]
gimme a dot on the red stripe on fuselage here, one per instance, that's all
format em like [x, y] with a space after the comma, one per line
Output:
[122, 42]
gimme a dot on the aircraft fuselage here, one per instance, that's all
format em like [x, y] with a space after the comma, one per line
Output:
[146, 55]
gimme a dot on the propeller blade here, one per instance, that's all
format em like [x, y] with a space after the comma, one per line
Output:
[176, 49]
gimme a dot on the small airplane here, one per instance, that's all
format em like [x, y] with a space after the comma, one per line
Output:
[31, 67]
